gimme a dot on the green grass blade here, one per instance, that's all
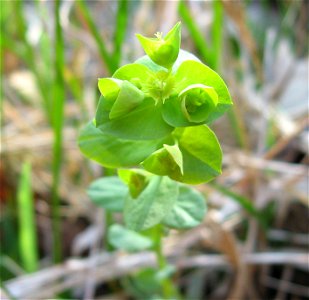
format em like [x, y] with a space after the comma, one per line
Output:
[29, 56]
[120, 32]
[26, 216]
[245, 203]
[217, 33]
[58, 116]
[105, 56]
[195, 33]
[239, 131]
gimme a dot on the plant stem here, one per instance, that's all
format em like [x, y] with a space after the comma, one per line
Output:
[168, 288]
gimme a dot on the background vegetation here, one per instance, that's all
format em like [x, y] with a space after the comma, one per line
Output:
[253, 242]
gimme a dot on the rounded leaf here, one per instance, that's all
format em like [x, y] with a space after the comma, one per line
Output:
[113, 152]
[128, 240]
[109, 193]
[151, 205]
[188, 211]
[137, 74]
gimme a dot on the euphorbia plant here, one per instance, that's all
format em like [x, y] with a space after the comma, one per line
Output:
[152, 124]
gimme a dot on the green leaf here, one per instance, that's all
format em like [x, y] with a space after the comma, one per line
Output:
[151, 206]
[109, 88]
[102, 112]
[128, 98]
[188, 211]
[172, 113]
[122, 96]
[163, 51]
[184, 56]
[137, 74]
[109, 193]
[128, 240]
[143, 123]
[113, 152]
[193, 72]
[201, 155]
[147, 62]
[144, 284]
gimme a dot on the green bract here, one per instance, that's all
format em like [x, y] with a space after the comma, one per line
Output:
[163, 51]
[152, 122]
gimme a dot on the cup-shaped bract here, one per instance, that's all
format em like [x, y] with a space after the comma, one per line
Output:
[197, 102]
[163, 51]
[192, 106]
[121, 96]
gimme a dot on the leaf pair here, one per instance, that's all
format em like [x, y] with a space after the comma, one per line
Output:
[157, 200]
[196, 158]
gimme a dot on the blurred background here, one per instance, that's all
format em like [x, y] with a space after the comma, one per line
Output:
[253, 243]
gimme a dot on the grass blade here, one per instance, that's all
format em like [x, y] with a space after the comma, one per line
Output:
[29, 55]
[245, 203]
[217, 33]
[27, 230]
[105, 56]
[58, 116]
[120, 32]
[195, 33]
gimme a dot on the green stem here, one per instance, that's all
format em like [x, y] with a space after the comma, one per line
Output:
[168, 288]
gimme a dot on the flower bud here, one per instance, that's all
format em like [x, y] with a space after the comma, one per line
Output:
[163, 51]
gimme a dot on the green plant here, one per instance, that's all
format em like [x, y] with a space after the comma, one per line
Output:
[153, 114]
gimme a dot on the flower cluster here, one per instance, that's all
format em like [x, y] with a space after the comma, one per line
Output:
[158, 107]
